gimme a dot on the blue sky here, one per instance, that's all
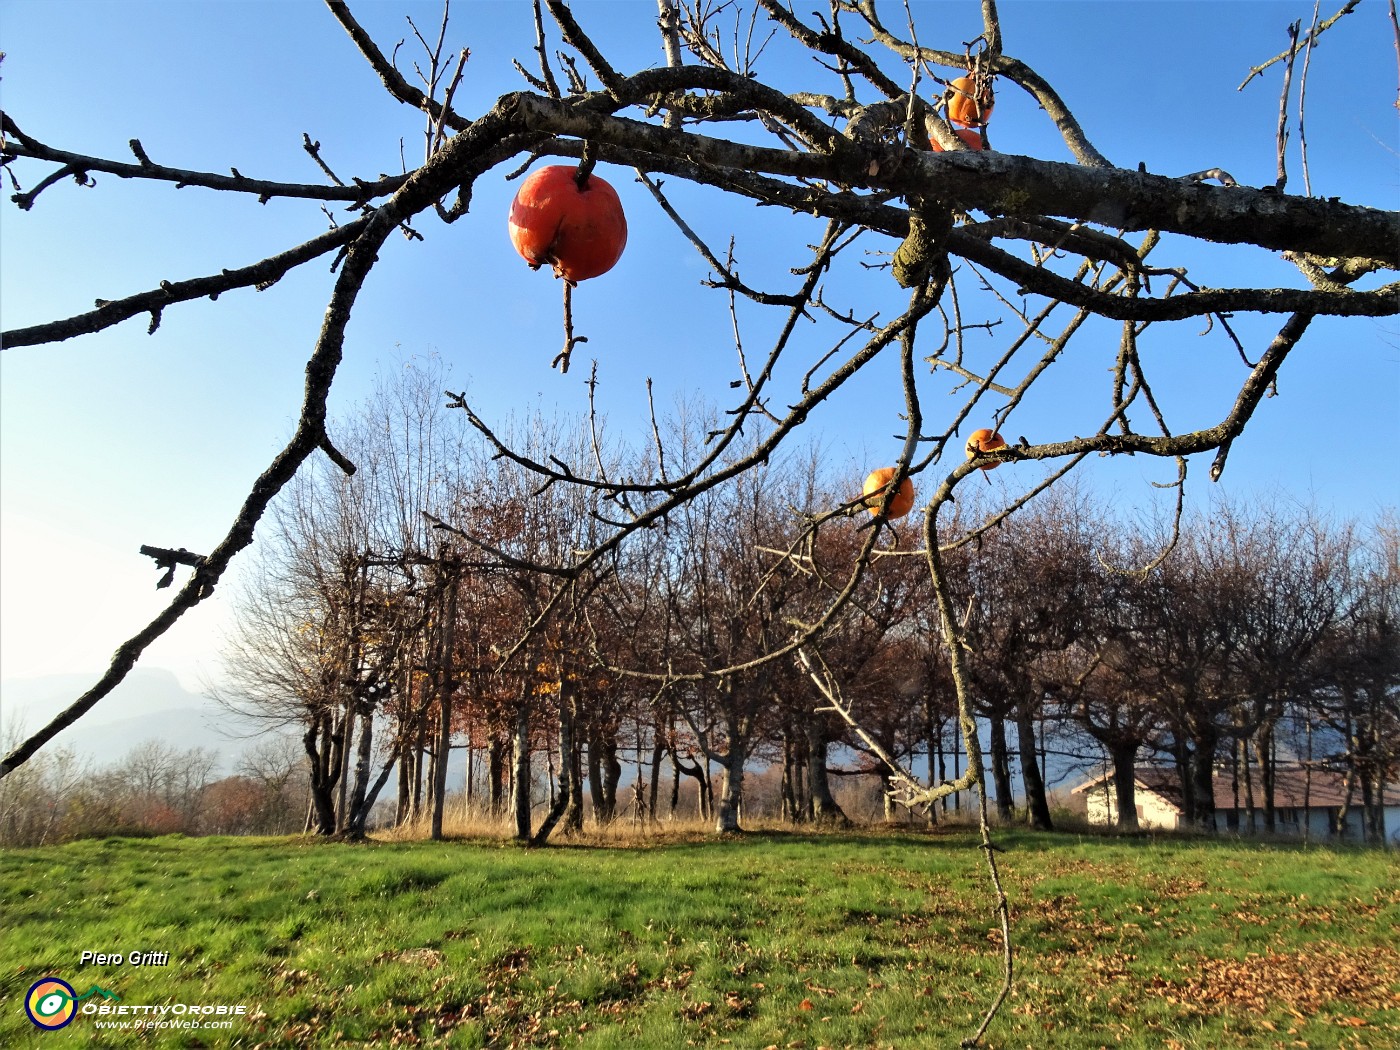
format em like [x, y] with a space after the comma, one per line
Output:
[119, 439]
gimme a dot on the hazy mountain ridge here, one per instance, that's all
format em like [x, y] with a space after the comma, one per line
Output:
[151, 703]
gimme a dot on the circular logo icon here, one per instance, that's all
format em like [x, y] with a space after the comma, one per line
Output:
[51, 1003]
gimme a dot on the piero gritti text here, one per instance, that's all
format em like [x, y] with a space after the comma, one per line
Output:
[124, 959]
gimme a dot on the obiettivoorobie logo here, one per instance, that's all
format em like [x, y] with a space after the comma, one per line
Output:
[52, 1003]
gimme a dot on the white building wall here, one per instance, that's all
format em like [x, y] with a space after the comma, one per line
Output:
[1098, 806]
[1101, 807]
[1156, 812]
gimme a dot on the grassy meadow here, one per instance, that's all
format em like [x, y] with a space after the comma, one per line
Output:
[785, 940]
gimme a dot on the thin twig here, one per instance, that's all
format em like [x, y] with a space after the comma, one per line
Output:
[1003, 909]
[1302, 100]
[1346, 9]
[1282, 137]
[551, 85]
[1395, 28]
[393, 80]
[561, 359]
[656, 435]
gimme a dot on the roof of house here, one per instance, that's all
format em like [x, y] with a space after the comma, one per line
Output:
[1324, 789]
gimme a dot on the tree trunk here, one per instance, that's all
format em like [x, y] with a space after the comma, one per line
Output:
[1037, 805]
[423, 808]
[1001, 770]
[420, 748]
[603, 765]
[786, 784]
[888, 810]
[957, 770]
[1268, 776]
[707, 791]
[573, 812]
[520, 771]
[1382, 757]
[822, 804]
[469, 781]
[1307, 773]
[1181, 751]
[444, 752]
[347, 733]
[675, 783]
[1368, 804]
[549, 774]
[1375, 823]
[595, 777]
[365, 806]
[1203, 779]
[404, 766]
[322, 783]
[447, 686]
[1370, 757]
[658, 752]
[933, 733]
[1125, 784]
[1242, 769]
[495, 775]
[567, 748]
[401, 803]
[604, 770]
[1339, 826]
[364, 754]
[732, 793]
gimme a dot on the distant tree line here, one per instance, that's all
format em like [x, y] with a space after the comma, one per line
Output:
[155, 789]
[386, 624]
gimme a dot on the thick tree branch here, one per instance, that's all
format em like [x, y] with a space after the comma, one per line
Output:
[970, 242]
[1000, 184]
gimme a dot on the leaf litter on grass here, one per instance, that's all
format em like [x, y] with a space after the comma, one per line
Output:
[1305, 983]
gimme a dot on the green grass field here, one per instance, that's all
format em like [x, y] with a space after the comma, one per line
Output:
[768, 940]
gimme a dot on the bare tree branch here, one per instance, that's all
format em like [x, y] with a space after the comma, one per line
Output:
[18, 144]
[261, 275]
[393, 80]
[1255, 71]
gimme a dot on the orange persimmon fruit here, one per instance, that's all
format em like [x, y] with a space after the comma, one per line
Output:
[874, 491]
[985, 440]
[578, 231]
[965, 106]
